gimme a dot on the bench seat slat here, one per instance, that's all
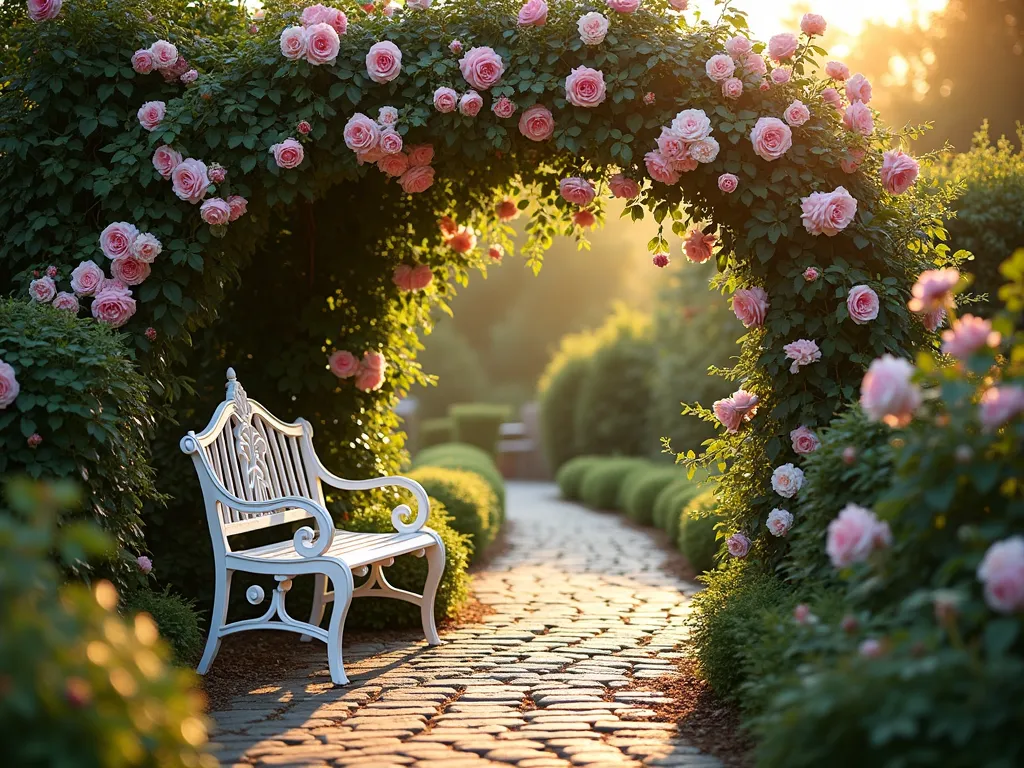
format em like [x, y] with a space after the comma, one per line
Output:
[354, 549]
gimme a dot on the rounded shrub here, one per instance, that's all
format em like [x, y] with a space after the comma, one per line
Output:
[670, 502]
[697, 539]
[83, 412]
[469, 458]
[570, 475]
[175, 618]
[479, 424]
[468, 499]
[410, 572]
[603, 481]
[641, 490]
[558, 411]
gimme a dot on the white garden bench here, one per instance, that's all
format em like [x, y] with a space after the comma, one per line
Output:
[257, 471]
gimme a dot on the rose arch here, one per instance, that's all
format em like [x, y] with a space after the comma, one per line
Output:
[293, 194]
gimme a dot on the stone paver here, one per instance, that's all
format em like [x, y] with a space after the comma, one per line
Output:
[582, 608]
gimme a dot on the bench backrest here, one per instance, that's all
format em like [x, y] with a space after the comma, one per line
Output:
[254, 456]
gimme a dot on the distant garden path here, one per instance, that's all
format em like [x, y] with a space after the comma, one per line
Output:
[583, 606]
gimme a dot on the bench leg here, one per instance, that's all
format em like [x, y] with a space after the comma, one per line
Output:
[316, 615]
[218, 617]
[435, 569]
[343, 587]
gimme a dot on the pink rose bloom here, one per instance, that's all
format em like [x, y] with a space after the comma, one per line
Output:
[887, 393]
[190, 179]
[679, 5]
[831, 97]
[661, 168]
[968, 335]
[44, 10]
[66, 301]
[144, 563]
[374, 361]
[470, 103]
[146, 248]
[750, 306]
[851, 160]
[143, 62]
[504, 107]
[584, 87]
[797, 114]
[215, 212]
[692, 125]
[369, 379]
[593, 27]
[754, 64]
[323, 14]
[804, 440]
[738, 47]
[165, 55]
[732, 88]
[322, 44]
[237, 205]
[482, 67]
[672, 145]
[537, 123]
[778, 524]
[113, 285]
[899, 172]
[534, 13]
[649, 98]
[421, 277]
[445, 100]
[810, 274]
[421, 154]
[116, 239]
[851, 536]
[660, 260]
[933, 290]
[584, 219]
[506, 210]
[417, 179]
[304, 127]
[394, 165]
[42, 290]
[771, 138]
[189, 77]
[870, 649]
[176, 70]
[828, 213]
[165, 160]
[455, 47]
[1002, 573]
[802, 352]
[217, 173]
[698, 245]
[862, 304]
[495, 252]
[624, 6]
[837, 70]
[787, 480]
[418, 5]
[720, 67]
[738, 545]
[383, 62]
[390, 141]
[781, 75]
[623, 187]
[932, 320]
[343, 364]
[288, 154]
[858, 88]
[130, 271]
[728, 182]
[86, 278]
[9, 387]
[858, 118]
[113, 307]
[402, 277]
[151, 113]
[732, 411]
[294, 43]
[459, 239]
[576, 190]
[783, 46]
[812, 24]
[1000, 404]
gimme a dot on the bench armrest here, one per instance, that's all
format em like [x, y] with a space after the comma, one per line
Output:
[306, 541]
[399, 512]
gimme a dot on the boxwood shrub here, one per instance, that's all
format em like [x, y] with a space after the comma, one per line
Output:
[671, 502]
[469, 458]
[570, 475]
[175, 618]
[641, 489]
[697, 537]
[468, 499]
[603, 480]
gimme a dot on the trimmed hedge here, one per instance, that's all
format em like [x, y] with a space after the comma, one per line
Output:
[435, 432]
[469, 500]
[641, 490]
[478, 424]
[570, 475]
[603, 480]
[558, 412]
[671, 501]
[175, 618]
[469, 458]
[697, 538]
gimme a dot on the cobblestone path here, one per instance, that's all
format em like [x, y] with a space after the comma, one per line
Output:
[582, 607]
